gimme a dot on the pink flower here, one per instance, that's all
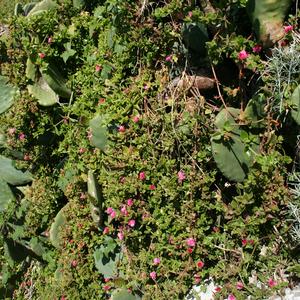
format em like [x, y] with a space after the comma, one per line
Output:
[109, 210]
[113, 214]
[122, 179]
[156, 260]
[106, 279]
[81, 150]
[146, 87]
[142, 176]
[131, 223]
[243, 55]
[50, 40]
[98, 68]
[26, 157]
[181, 176]
[200, 264]
[136, 119]
[271, 282]
[231, 297]
[190, 14]
[169, 58]
[129, 202]
[106, 230]
[101, 101]
[74, 263]
[42, 55]
[82, 196]
[22, 136]
[218, 289]
[239, 285]
[153, 275]
[244, 242]
[189, 250]
[120, 236]
[257, 48]
[106, 288]
[63, 298]
[288, 28]
[152, 187]
[121, 128]
[124, 210]
[197, 278]
[191, 242]
[12, 131]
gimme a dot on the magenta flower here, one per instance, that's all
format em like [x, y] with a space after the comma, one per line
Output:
[106, 288]
[136, 119]
[239, 285]
[113, 215]
[169, 58]
[74, 263]
[26, 157]
[181, 176]
[131, 223]
[244, 242]
[98, 68]
[121, 128]
[153, 275]
[42, 55]
[288, 28]
[120, 236]
[22, 136]
[142, 176]
[257, 48]
[271, 282]
[105, 230]
[50, 40]
[190, 14]
[152, 187]
[109, 210]
[231, 297]
[124, 210]
[197, 278]
[243, 55]
[191, 242]
[156, 260]
[200, 264]
[129, 202]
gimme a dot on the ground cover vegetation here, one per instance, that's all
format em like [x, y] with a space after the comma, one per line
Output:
[147, 146]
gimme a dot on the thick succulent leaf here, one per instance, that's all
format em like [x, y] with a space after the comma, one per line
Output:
[41, 7]
[99, 133]
[2, 139]
[18, 9]
[228, 114]
[296, 104]
[95, 197]
[43, 93]
[6, 195]
[31, 70]
[7, 95]
[78, 3]
[28, 7]
[10, 174]
[195, 36]
[56, 226]
[123, 294]
[107, 258]
[56, 81]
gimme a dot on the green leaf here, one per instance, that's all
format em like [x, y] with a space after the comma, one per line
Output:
[68, 52]
[42, 6]
[55, 229]
[296, 104]
[99, 132]
[123, 294]
[6, 195]
[43, 93]
[11, 175]
[7, 94]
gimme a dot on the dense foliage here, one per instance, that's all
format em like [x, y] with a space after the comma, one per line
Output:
[120, 175]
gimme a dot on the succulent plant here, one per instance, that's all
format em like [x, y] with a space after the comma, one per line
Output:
[123, 294]
[59, 222]
[6, 195]
[78, 3]
[42, 6]
[7, 95]
[108, 257]
[295, 99]
[229, 150]
[96, 198]
[267, 19]
[99, 132]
